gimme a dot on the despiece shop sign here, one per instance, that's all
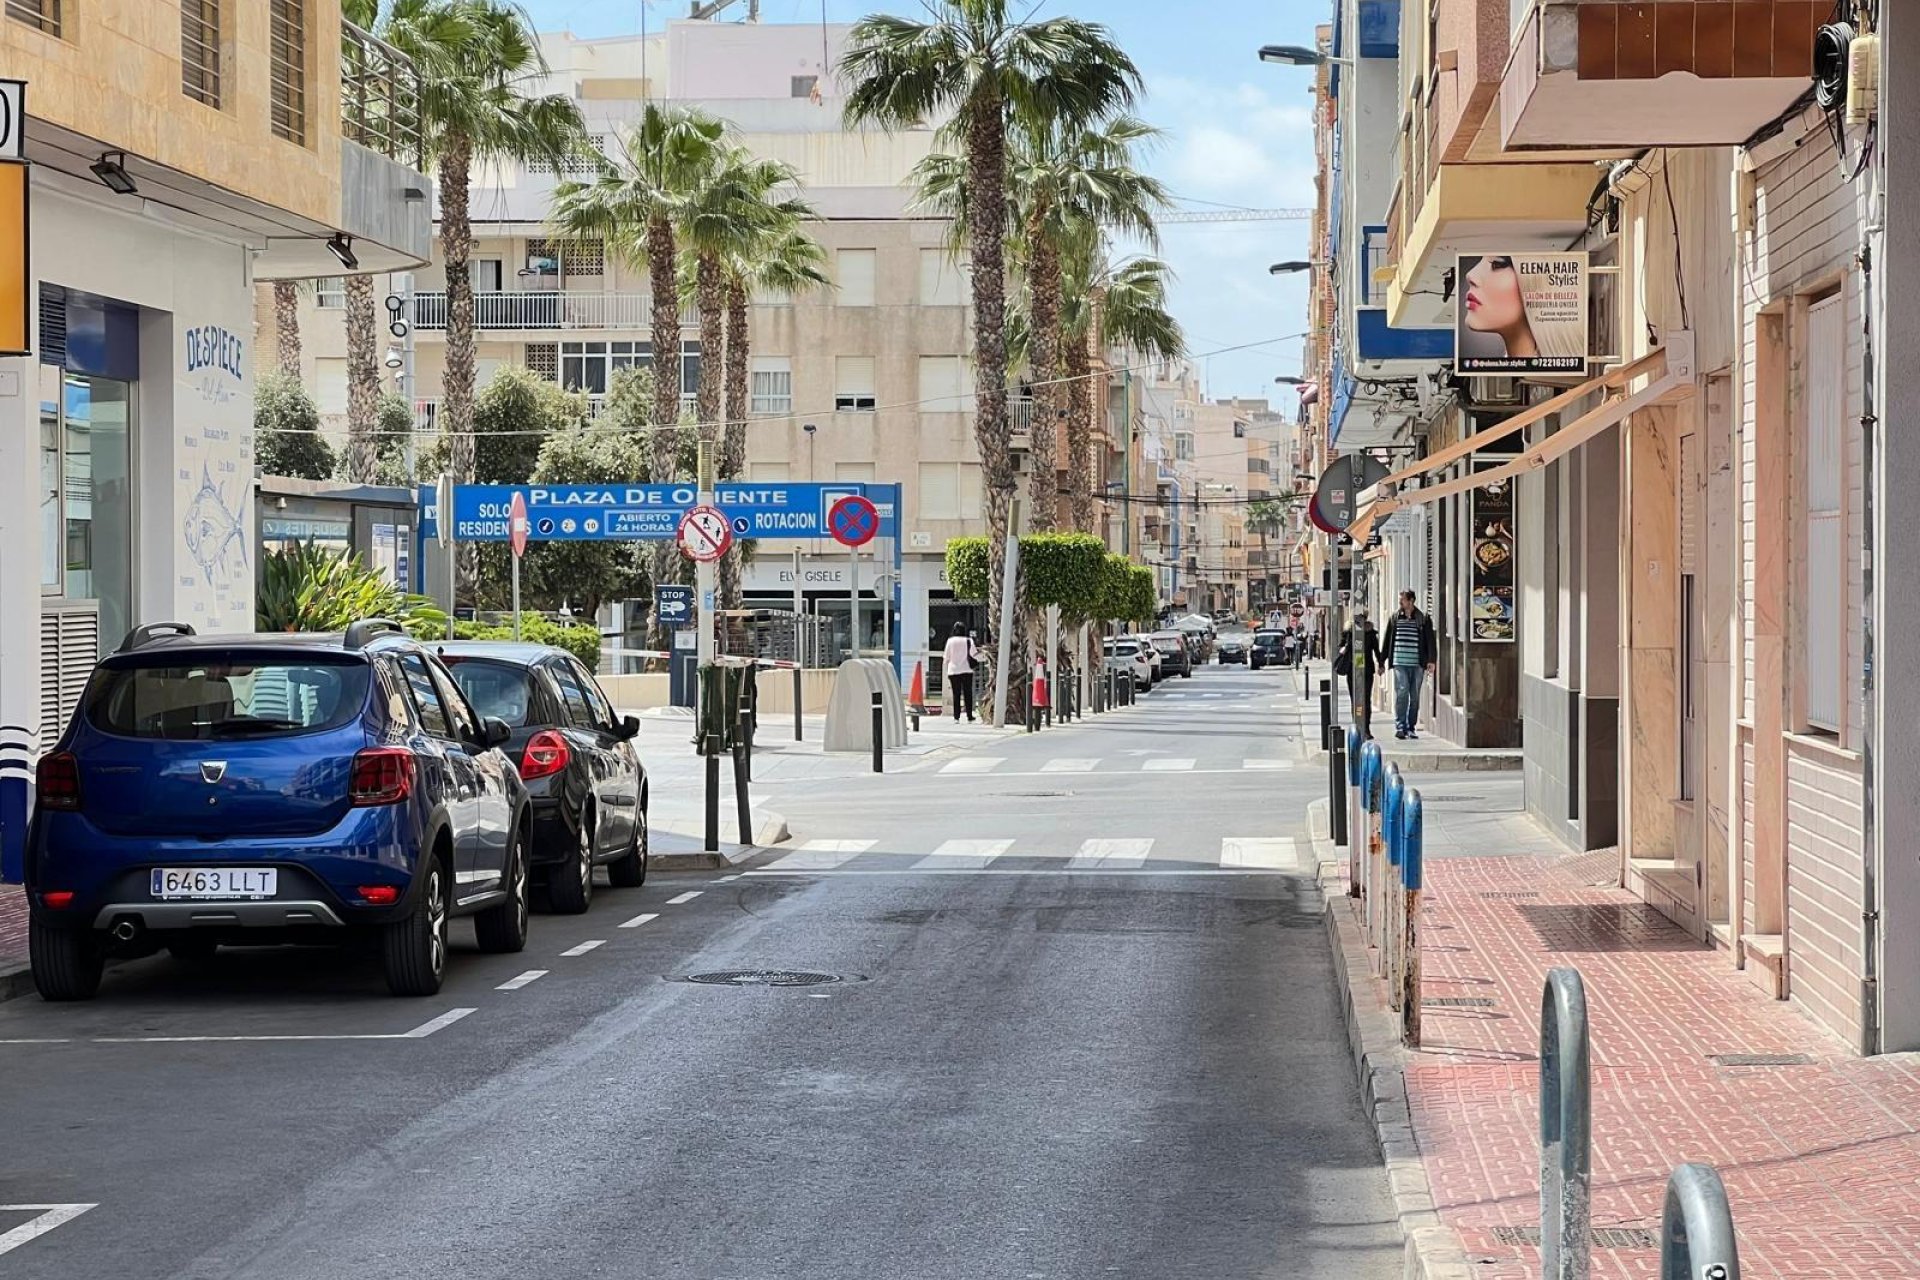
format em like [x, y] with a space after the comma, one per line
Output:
[1520, 314]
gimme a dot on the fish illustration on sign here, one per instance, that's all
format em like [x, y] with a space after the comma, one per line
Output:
[211, 527]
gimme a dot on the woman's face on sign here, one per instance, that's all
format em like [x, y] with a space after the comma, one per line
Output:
[1493, 296]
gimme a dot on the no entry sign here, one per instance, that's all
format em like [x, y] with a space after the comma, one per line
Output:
[518, 526]
[705, 534]
[854, 521]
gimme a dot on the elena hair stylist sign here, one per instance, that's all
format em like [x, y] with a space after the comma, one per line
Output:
[1520, 314]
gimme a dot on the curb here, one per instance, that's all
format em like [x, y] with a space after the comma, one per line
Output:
[16, 980]
[1433, 1250]
[769, 829]
[1445, 762]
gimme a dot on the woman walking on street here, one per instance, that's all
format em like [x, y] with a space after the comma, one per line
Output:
[957, 662]
[1358, 657]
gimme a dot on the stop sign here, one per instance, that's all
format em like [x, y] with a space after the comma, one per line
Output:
[518, 525]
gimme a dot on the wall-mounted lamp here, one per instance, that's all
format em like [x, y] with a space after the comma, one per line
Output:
[341, 247]
[111, 169]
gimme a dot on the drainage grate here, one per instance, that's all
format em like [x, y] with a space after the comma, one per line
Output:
[1456, 1002]
[763, 978]
[1505, 896]
[1763, 1059]
[1603, 1237]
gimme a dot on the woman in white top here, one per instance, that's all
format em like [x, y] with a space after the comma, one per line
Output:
[957, 661]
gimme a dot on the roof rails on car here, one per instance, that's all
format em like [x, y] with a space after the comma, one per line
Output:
[147, 632]
[367, 630]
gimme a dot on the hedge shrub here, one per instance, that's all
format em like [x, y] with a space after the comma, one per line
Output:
[1072, 570]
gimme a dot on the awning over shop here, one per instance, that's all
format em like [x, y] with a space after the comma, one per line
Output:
[1671, 371]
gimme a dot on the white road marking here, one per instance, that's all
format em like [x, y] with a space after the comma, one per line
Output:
[1106, 855]
[973, 764]
[440, 1023]
[1070, 765]
[420, 1032]
[38, 1040]
[637, 921]
[1167, 766]
[957, 855]
[1266, 764]
[514, 984]
[1267, 853]
[823, 855]
[725, 879]
[1033, 871]
[683, 899]
[48, 1216]
[584, 947]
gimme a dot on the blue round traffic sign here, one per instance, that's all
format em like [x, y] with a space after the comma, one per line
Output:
[853, 521]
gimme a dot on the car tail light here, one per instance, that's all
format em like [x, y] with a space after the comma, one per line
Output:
[547, 753]
[57, 899]
[381, 775]
[379, 895]
[57, 782]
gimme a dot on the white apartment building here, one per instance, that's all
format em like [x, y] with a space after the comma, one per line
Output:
[867, 381]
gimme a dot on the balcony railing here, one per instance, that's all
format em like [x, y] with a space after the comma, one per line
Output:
[380, 97]
[547, 310]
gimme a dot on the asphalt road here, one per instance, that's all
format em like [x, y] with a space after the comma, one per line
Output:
[1084, 1028]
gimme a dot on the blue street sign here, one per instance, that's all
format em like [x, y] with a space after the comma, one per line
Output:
[673, 604]
[645, 512]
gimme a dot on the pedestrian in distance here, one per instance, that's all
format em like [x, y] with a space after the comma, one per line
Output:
[1409, 646]
[1356, 659]
[958, 661]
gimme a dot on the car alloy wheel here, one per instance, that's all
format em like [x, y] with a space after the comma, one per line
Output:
[586, 859]
[436, 922]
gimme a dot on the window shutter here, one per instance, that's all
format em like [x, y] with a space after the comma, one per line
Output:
[1690, 503]
[69, 648]
[1824, 617]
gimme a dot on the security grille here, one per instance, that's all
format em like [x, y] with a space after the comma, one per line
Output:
[543, 359]
[69, 646]
[287, 68]
[575, 257]
[44, 14]
[200, 50]
[572, 166]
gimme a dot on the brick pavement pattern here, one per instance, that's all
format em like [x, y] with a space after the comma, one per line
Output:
[1821, 1161]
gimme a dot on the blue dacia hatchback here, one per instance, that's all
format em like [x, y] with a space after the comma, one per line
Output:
[249, 789]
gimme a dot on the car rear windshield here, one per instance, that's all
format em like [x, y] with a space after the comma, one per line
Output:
[1168, 644]
[227, 695]
[494, 688]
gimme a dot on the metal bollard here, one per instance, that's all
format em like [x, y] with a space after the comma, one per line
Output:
[1391, 792]
[879, 734]
[1339, 774]
[743, 740]
[742, 779]
[1372, 795]
[713, 792]
[1696, 1228]
[1326, 708]
[1412, 878]
[798, 697]
[1566, 1129]
[1348, 798]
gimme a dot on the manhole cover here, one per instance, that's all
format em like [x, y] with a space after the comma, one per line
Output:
[763, 978]
[1763, 1059]
[1457, 1002]
[1603, 1237]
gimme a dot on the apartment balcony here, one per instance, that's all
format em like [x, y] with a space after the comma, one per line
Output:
[1680, 73]
[547, 311]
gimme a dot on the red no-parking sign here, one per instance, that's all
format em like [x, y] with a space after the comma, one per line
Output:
[853, 521]
[705, 534]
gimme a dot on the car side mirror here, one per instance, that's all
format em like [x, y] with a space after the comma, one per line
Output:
[629, 728]
[494, 732]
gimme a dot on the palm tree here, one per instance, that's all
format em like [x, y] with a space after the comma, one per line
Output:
[634, 204]
[479, 65]
[1108, 305]
[286, 326]
[363, 382]
[975, 61]
[1069, 182]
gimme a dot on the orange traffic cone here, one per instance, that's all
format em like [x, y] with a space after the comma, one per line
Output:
[917, 695]
[1040, 703]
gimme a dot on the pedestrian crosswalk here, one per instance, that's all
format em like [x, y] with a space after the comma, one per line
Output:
[1140, 762]
[1040, 856]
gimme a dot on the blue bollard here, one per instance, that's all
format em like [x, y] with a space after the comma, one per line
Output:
[1354, 743]
[1371, 780]
[1412, 842]
[1394, 792]
[1412, 860]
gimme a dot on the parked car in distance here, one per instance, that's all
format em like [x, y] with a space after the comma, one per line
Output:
[1267, 649]
[269, 788]
[1174, 655]
[1130, 651]
[586, 786]
[1232, 649]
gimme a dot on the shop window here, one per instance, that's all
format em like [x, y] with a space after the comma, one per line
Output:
[86, 497]
[287, 68]
[200, 50]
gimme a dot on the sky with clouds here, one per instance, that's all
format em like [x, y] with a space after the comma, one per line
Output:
[1238, 132]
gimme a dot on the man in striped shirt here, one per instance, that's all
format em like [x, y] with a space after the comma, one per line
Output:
[1410, 647]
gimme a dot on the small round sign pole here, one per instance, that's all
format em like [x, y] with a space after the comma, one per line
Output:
[518, 527]
[854, 522]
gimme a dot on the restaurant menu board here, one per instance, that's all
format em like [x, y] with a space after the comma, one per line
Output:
[1491, 602]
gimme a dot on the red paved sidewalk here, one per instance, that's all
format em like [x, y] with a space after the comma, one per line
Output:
[1821, 1161]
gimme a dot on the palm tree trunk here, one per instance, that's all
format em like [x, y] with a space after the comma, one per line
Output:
[1043, 483]
[456, 251]
[363, 380]
[986, 143]
[662, 269]
[286, 325]
[1080, 432]
[733, 445]
[710, 298]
